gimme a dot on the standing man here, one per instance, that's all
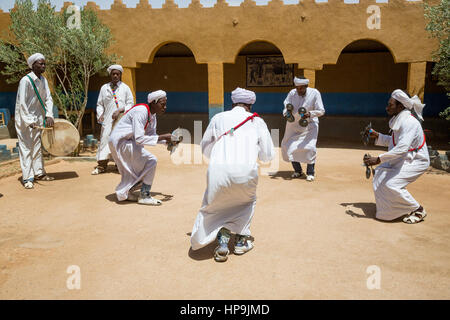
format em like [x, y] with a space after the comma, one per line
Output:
[115, 98]
[406, 160]
[137, 166]
[299, 143]
[233, 141]
[34, 108]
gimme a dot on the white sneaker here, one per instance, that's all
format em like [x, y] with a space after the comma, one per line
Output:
[97, 171]
[240, 248]
[149, 201]
[28, 185]
[310, 178]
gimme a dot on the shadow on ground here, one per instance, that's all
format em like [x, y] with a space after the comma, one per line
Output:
[286, 175]
[113, 198]
[57, 175]
[369, 210]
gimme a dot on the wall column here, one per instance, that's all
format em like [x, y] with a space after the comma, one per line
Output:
[416, 79]
[311, 75]
[215, 88]
[129, 78]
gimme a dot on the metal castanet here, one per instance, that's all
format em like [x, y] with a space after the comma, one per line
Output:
[289, 116]
[370, 170]
[60, 140]
[365, 134]
[177, 138]
[302, 122]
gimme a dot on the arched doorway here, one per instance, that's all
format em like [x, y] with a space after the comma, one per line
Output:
[175, 71]
[361, 81]
[260, 67]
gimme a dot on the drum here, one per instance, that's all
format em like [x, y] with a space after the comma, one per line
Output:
[62, 139]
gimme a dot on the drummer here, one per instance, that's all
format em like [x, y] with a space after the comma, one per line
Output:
[34, 108]
[114, 99]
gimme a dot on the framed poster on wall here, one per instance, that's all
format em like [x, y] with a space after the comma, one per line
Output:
[269, 71]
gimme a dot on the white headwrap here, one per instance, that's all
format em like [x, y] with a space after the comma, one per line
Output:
[240, 95]
[115, 67]
[300, 82]
[409, 103]
[156, 95]
[33, 58]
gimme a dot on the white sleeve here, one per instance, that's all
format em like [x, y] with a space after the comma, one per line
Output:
[383, 140]
[100, 107]
[22, 92]
[265, 143]
[209, 138]
[318, 110]
[404, 142]
[48, 100]
[139, 121]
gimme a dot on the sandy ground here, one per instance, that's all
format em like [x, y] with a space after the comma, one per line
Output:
[312, 240]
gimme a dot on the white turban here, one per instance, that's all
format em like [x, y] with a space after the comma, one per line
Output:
[409, 103]
[240, 95]
[300, 82]
[156, 95]
[115, 67]
[35, 57]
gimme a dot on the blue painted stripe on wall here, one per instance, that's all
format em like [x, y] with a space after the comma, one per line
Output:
[8, 101]
[367, 104]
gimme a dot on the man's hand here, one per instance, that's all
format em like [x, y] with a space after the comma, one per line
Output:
[115, 114]
[32, 126]
[166, 136]
[373, 134]
[101, 119]
[371, 161]
[49, 121]
[306, 115]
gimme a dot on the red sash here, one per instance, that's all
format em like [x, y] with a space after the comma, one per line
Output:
[415, 149]
[148, 109]
[240, 124]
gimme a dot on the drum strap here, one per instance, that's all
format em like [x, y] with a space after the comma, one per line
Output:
[39, 97]
[115, 98]
[148, 109]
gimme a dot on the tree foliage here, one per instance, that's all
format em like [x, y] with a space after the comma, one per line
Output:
[73, 55]
[438, 17]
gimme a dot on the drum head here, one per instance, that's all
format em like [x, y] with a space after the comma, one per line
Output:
[62, 140]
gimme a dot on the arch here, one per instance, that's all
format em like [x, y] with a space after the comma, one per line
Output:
[172, 67]
[258, 41]
[157, 48]
[365, 42]
[361, 79]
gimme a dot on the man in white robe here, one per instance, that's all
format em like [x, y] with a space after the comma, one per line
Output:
[137, 166]
[299, 143]
[31, 113]
[114, 99]
[406, 160]
[230, 197]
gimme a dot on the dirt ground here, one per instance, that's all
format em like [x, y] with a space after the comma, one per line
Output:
[312, 240]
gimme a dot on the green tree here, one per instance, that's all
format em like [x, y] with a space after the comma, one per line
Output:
[438, 17]
[73, 55]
